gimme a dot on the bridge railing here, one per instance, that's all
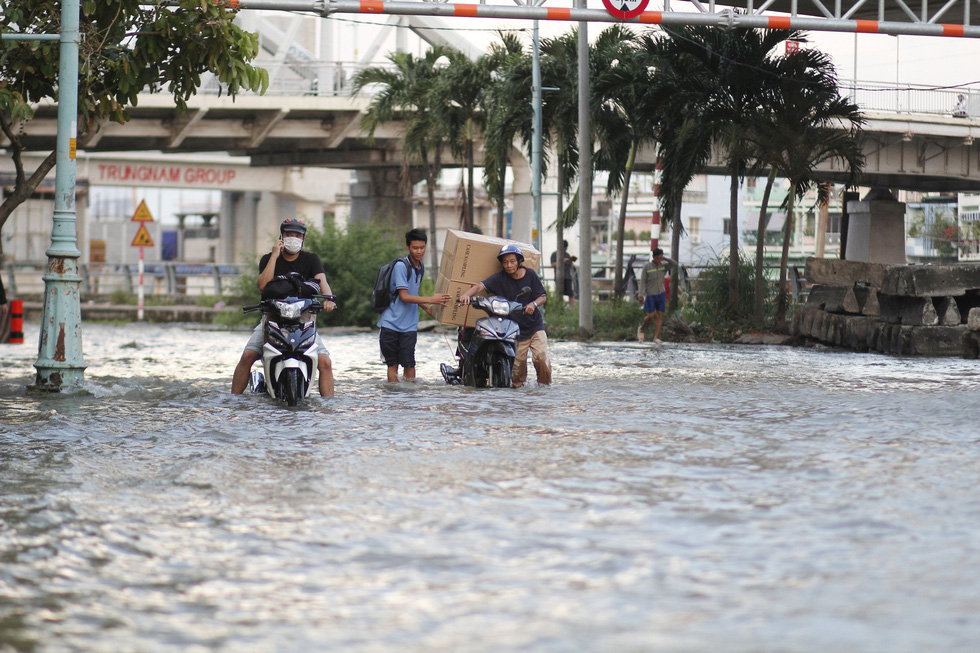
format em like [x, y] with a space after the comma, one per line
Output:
[168, 278]
[312, 78]
[911, 98]
[333, 78]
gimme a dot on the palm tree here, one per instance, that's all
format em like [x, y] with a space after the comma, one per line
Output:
[629, 105]
[758, 313]
[736, 66]
[683, 134]
[559, 120]
[807, 123]
[406, 89]
[507, 110]
[458, 100]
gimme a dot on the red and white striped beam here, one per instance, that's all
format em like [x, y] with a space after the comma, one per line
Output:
[724, 18]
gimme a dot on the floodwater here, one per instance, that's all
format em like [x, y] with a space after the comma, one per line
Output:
[681, 498]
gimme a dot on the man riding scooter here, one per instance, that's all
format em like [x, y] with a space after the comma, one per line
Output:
[512, 283]
[287, 257]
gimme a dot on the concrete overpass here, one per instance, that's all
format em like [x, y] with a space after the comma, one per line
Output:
[911, 141]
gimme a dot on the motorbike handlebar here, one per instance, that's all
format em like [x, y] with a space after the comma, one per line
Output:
[253, 307]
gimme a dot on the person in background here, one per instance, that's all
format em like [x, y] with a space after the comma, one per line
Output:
[399, 322]
[509, 283]
[652, 287]
[568, 287]
[287, 257]
[960, 110]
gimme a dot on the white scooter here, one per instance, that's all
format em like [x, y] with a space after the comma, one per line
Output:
[289, 355]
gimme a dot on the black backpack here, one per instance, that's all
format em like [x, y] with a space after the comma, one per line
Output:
[381, 295]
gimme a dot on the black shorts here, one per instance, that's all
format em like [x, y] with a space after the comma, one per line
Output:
[398, 348]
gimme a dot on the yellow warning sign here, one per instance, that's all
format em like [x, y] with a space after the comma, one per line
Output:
[142, 214]
[142, 238]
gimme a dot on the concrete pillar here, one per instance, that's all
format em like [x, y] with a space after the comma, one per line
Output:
[377, 196]
[876, 229]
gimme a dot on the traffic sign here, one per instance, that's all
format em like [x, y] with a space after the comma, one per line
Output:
[142, 238]
[142, 214]
[625, 9]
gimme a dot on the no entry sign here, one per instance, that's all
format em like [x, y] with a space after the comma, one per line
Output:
[625, 9]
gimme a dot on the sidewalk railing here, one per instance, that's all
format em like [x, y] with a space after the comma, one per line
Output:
[167, 278]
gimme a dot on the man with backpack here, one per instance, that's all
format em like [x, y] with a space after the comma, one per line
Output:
[400, 320]
[284, 261]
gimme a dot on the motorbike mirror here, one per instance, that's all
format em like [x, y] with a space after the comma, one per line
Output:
[526, 290]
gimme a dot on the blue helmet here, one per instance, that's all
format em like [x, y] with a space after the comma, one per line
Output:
[292, 225]
[511, 249]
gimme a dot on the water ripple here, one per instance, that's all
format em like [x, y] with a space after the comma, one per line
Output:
[685, 498]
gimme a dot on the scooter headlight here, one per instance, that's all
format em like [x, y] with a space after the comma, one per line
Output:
[500, 307]
[290, 310]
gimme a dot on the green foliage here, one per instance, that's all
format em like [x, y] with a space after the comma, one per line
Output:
[125, 47]
[711, 307]
[612, 320]
[121, 298]
[351, 259]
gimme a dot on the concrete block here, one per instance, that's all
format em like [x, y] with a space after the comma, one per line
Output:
[823, 327]
[910, 311]
[867, 297]
[973, 319]
[827, 298]
[874, 335]
[900, 343]
[835, 272]
[882, 338]
[850, 303]
[948, 311]
[938, 341]
[931, 280]
[966, 303]
[971, 344]
[853, 331]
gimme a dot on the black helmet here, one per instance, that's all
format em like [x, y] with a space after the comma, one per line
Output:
[511, 249]
[292, 225]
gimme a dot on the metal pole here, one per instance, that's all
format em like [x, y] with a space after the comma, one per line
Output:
[59, 356]
[536, 141]
[584, 181]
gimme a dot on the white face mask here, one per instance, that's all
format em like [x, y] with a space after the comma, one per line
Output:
[292, 244]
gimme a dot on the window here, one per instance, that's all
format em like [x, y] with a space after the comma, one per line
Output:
[694, 230]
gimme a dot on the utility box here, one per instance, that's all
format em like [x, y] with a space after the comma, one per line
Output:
[468, 259]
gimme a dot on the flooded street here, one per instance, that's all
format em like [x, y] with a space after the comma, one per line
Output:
[681, 498]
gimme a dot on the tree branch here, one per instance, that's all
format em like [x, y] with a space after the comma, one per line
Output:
[23, 189]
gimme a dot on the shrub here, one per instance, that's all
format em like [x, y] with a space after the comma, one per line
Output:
[711, 308]
[351, 260]
[611, 320]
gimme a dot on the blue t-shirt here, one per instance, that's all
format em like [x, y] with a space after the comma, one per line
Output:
[503, 285]
[400, 316]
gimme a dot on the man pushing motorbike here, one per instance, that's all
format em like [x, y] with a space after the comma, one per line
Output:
[288, 258]
[512, 283]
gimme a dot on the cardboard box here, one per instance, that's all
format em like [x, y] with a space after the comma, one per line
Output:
[468, 259]
[452, 313]
[473, 257]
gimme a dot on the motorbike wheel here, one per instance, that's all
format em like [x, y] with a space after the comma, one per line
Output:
[469, 377]
[500, 372]
[291, 387]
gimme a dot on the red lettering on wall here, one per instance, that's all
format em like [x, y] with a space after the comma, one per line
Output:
[162, 175]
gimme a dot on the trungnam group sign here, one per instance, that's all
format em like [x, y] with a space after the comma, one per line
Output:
[164, 175]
